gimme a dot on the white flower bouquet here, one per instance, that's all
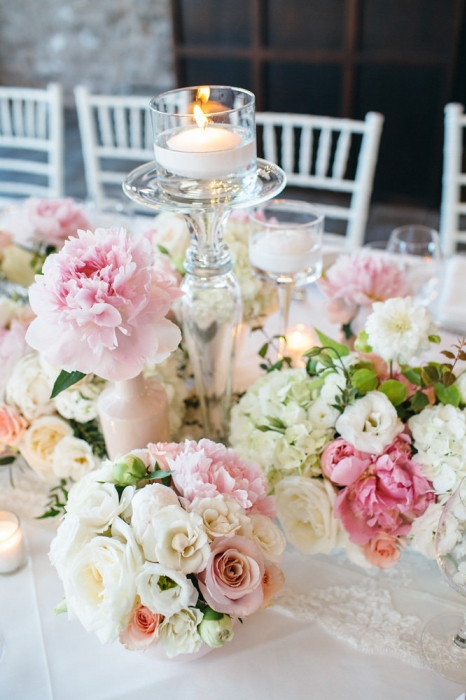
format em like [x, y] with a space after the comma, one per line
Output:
[361, 448]
[167, 546]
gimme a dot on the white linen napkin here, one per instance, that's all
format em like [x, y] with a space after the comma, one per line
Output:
[451, 309]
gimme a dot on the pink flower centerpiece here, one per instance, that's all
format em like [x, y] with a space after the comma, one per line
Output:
[55, 220]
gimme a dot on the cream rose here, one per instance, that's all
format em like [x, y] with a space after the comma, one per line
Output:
[268, 536]
[163, 590]
[73, 458]
[178, 634]
[146, 503]
[222, 517]
[29, 388]
[305, 510]
[40, 442]
[71, 536]
[180, 540]
[16, 265]
[370, 423]
[97, 504]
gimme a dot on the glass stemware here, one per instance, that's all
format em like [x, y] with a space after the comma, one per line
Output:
[444, 637]
[285, 248]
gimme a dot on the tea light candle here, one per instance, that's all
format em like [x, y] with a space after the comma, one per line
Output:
[12, 548]
[282, 251]
[299, 339]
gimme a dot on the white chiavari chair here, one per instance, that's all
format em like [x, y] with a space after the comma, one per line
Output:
[453, 207]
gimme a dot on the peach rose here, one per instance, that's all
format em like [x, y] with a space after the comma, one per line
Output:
[383, 550]
[12, 426]
[142, 630]
[273, 581]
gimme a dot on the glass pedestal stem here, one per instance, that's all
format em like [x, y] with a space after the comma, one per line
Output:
[284, 298]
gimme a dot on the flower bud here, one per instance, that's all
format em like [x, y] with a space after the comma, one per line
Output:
[216, 632]
[128, 470]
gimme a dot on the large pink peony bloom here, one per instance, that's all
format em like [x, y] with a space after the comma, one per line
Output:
[101, 306]
[232, 580]
[207, 469]
[358, 280]
[387, 497]
[54, 220]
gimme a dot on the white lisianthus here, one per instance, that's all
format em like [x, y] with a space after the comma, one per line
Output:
[305, 510]
[71, 537]
[424, 530]
[178, 634]
[79, 403]
[268, 536]
[97, 504]
[177, 539]
[370, 423]
[40, 442]
[439, 436]
[399, 330]
[73, 458]
[100, 585]
[29, 389]
[146, 503]
[222, 517]
[163, 590]
[461, 385]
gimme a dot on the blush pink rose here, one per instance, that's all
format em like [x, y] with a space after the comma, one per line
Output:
[208, 469]
[54, 220]
[232, 580]
[12, 426]
[162, 452]
[272, 582]
[142, 630]
[342, 463]
[383, 550]
[101, 306]
[387, 497]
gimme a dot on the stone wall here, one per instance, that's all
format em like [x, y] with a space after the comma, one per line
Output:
[113, 46]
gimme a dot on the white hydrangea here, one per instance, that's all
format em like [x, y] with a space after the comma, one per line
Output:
[439, 436]
[79, 402]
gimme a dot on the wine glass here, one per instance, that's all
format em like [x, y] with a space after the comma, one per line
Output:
[444, 637]
[421, 260]
[285, 248]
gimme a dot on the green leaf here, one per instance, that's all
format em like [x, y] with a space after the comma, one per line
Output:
[435, 338]
[418, 401]
[447, 394]
[263, 351]
[7, 460]
[342, 350]
[64, 381]
[394, 390]
[163, 250]
[430, 374]
[210, 614]
[62, 607]
[361, 343]
[448, 378]
[347, 330]
[313, 352]
[413, 375]
[158, 474]
[364, 380]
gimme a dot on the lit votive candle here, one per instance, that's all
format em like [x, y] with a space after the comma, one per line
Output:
[300, 339]
[12, 547]
[285, 252]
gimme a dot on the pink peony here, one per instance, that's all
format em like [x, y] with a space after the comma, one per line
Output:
[142, 629]
[358, 280]
[12, 426]
[207, 469]
[54, 220]
[383, 550]
[272, 582]
[387, 497]
[342, 463]
[101, 307]
[165, 270]
[232, 580]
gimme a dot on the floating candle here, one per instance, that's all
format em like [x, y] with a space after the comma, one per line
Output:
[12, 549]
[284, 251]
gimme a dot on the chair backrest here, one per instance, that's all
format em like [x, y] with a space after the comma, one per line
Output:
[454, 178]
[31, 141]
[115, 133]
[318, 152]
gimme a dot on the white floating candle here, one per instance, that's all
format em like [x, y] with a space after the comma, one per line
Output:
[12, 548]
[283, 251]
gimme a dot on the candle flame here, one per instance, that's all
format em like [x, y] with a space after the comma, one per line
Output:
[203, 94]
[200, 117]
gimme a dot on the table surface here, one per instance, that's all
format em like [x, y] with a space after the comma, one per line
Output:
[271, 656]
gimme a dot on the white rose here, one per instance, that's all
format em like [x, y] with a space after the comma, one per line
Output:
[370, 423]
[79, 403]
[305, 510]
[424, 530]
[181, 542]
[171, 232]
[40, 442]
[71, 536]
[163, 590]
[73, 458]
[178, 634]
[268, 536]
[29, 388]
[221, 517]
[100, 583]
[97, 504]
[146, 504]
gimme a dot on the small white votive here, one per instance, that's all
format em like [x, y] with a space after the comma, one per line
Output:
[299, 339]
[12, 547]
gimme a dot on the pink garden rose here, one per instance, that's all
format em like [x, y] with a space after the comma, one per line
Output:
[232, 580]
[387, 497]
[54, 220]
[383, 550]
[207, 469]
[358, 280]
[12, 426]
[101, 306]
[272, 582]
[342, 463]
[142, 629]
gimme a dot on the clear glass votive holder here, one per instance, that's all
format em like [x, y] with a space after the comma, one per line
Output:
[13, 554]
[205, 142]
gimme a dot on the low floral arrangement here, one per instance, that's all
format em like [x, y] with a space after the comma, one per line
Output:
[170, 236]
[362, 448]
[169, 545]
